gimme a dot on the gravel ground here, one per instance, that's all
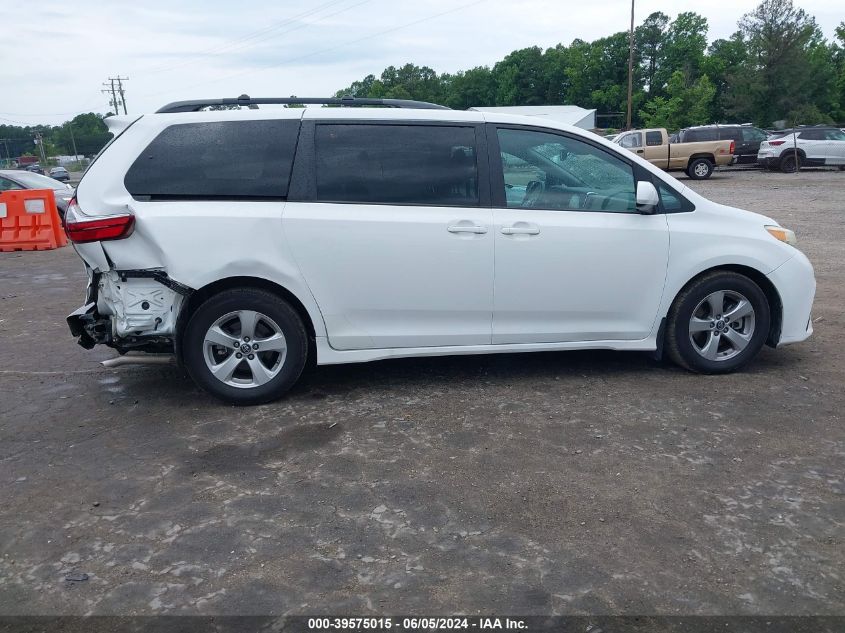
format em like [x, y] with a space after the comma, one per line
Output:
[526, 484]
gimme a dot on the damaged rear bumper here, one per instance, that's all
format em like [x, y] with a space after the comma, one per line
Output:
[129, 310]
[84, 324]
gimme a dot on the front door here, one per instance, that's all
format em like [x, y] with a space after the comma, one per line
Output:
[574, 259]
[836, 147]
[395, 245]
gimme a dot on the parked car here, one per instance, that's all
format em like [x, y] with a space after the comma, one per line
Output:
[817, 146]
[59, 173]
[21, 179]
[696, 159]
[35, 168]
[746, 139]
[247, 242]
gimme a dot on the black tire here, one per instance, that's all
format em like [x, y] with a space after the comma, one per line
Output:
[700, 169]
[679, 343]
[787, 163]
[246, 299]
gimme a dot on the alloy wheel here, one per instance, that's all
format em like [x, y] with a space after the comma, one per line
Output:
[244, 349]
[722, 325]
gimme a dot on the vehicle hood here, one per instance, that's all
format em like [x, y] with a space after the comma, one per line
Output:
[726, 211]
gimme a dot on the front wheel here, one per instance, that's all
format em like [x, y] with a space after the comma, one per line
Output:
[718, 323]
[700, 169]
[245, 346]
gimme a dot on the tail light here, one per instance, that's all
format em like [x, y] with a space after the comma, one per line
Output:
[733, 145]
[81, 228]
[776, 143]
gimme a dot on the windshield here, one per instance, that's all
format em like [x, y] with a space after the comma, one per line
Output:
[37, 181]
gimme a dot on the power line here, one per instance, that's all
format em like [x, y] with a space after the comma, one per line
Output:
[333, 48]
[217, 50]
[213, 50]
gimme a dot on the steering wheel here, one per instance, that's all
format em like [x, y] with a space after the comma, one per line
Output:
[533, 190]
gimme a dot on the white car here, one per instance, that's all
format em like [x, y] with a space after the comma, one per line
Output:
[250, 241]
[817, 146]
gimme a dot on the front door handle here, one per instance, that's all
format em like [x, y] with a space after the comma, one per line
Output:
[466, 228]
[639, 151]
[525, 229]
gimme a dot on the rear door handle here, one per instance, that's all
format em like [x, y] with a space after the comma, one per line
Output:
[466, 228]
[530, 229]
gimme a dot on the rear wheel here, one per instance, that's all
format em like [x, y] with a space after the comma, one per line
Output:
[788, 163]
[700, 169]
[718, 323]
[245, 346]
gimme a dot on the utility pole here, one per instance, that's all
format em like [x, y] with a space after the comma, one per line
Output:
[630, 66]
[39, 140]
[73, 141]
[120, 81]
[110, 89]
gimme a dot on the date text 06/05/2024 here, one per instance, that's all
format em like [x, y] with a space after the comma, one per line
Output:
[414, 624]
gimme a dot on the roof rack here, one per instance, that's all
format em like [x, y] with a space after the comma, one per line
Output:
[246, 100]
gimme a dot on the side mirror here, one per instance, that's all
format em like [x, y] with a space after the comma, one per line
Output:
[647, 197]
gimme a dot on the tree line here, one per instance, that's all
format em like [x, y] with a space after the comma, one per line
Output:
[776, 67]
[87, 131]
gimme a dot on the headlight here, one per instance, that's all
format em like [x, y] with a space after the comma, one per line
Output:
[782, 234]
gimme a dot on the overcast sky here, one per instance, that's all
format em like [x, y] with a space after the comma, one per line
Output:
[56, 54]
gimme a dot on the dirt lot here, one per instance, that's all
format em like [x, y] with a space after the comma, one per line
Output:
[524, 484]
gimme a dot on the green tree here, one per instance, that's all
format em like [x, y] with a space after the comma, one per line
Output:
[520, 78]
[725, 58]
[650, 39]
[778, 78]
[470, 88]
[684, 48]
[684, 104]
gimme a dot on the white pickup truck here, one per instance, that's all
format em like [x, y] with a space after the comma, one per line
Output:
[696, 159]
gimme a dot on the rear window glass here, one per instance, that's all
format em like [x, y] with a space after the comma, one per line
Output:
[813, 135]
[653, 138]
[222, 159]
[730, 134]
[694, 136]
[398, 164]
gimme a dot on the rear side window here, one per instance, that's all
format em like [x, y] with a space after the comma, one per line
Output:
[813, 135]
[221, 159]
[653, 138]
[730, 134]
[397, 164]
[694, 136]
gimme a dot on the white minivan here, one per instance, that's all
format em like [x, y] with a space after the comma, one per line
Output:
[249, 242]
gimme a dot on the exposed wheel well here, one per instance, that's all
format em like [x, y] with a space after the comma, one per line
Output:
[772, 296]
[199, 296]
[695, 157]
[791, 152]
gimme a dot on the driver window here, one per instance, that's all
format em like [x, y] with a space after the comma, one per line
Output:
[548, 171]
[634, 139]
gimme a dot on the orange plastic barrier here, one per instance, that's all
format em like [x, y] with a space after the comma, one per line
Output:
[29, 221]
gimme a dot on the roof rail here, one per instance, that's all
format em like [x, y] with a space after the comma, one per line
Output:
[246, 100]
